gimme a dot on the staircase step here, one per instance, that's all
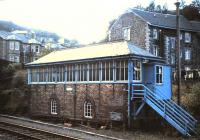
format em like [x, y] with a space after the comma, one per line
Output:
[169, 110]
[142, 94]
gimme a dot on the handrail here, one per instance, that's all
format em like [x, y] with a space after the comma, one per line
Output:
[179, 108]
[182, 120]
[169, 112]
[163, 96]
[170, 108]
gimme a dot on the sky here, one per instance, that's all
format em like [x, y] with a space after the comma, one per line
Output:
[84, 20]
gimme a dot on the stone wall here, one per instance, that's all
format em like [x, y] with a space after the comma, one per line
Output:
[137, 26]
[105, 98]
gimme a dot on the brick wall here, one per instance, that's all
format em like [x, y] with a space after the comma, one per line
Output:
[105, 98]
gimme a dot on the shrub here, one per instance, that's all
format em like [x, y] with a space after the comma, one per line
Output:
[192, 99]
[19, 79]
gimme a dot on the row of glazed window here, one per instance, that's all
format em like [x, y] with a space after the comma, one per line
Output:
[99, 71]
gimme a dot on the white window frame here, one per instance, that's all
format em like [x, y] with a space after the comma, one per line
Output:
[155, 34]
[120, 66]
[88, 107]
[37, 49]
[54, 107]
[159, 74]
[155, 50]
[172, 59]
[127, 33]
[187, 37]
[12, 58]
[136, 77]
[17, 46]
[12, 45]
[16, 59]
[181, 36]
[173, 42]
[188, 54]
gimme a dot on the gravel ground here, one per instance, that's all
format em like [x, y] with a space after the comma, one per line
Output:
[7, 136]
[136, 135]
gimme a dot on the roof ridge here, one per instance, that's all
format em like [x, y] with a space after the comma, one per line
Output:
[92, 45]
[153, 12]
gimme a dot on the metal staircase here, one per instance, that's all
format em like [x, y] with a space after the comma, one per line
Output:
[168, 109]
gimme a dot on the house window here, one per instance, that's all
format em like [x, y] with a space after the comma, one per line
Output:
[33, 75]
[70, 73]
[107, 71]
[137, 70]
[17, 59]
[187, 37]
[25, 48]
[93, 72]
[53, 106]
[187, 54]
[54, 74]
[41, 75]
[155, 50]
[12, 58]
[121, 70]
[61, 74]
[88, 109]
[11, 45]
[159, 74]
[172, 59]
[98, 71]
[17, 46]
[82, 72]
[181, 36]
[37, 49]
[173, 42]
[155, 34]
[126, 32]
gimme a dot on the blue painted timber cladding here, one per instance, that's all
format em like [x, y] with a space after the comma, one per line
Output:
[164, 89]
[149, 79]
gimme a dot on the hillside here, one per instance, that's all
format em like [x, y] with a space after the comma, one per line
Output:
[10, 26]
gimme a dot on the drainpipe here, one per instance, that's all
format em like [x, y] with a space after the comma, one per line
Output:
[178, 50]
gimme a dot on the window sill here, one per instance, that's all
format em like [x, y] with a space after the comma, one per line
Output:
[88, 117]
[54, 113]
[159, 84]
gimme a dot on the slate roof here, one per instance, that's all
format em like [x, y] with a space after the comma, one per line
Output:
[195, 25]
[4, 34]
[19, 37]
[111, 49]
[165, 20]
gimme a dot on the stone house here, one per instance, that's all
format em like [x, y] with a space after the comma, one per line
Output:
[156, 33]
[18, 48]
[103, 83]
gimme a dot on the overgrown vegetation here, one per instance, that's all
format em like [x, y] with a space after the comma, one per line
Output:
[13, 89]
[192, 99]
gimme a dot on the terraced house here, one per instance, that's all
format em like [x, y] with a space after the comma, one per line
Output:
[156, 33]
[102, 83]
[18, 48]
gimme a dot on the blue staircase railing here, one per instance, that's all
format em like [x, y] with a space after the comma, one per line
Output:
[167, 108]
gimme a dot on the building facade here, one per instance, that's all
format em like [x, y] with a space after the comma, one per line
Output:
[18, 48]
[103, 83]
[156, 33]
